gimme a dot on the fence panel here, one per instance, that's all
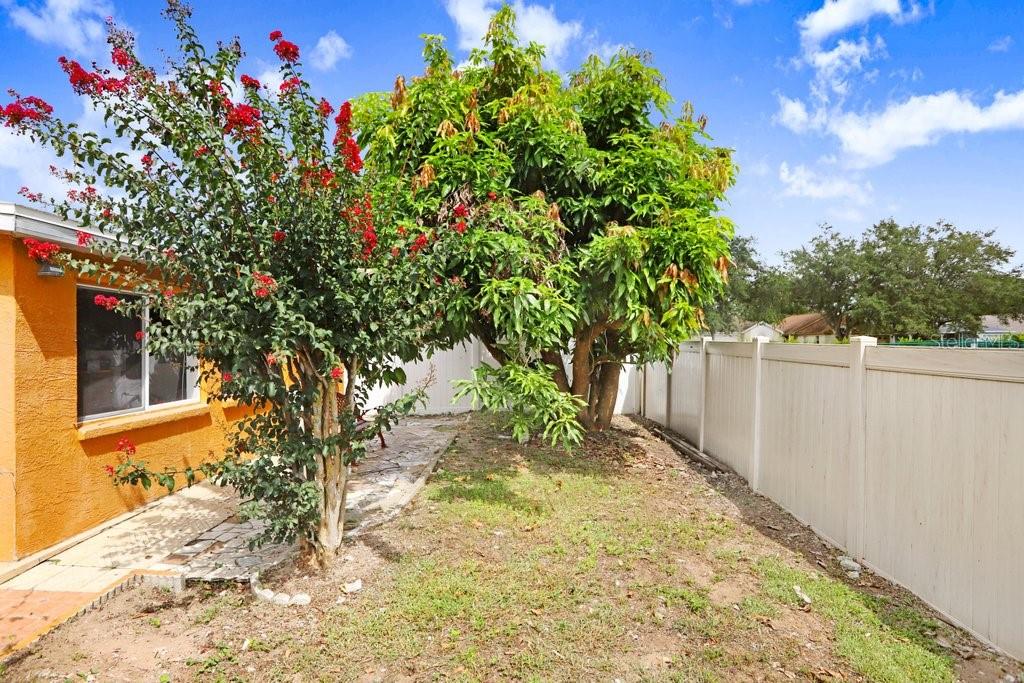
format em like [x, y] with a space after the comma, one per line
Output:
[655, 391]
[728, 430]
[686, 401]
[805, 437]
[944, 501]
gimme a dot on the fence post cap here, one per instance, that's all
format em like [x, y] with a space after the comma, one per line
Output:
[864, 339]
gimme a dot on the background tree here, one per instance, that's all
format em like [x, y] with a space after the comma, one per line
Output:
[255, 242]
[906, 280]
[756, 291]
[590, 216]
[825, 275]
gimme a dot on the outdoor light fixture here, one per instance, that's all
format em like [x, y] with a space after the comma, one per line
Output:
[50, 270]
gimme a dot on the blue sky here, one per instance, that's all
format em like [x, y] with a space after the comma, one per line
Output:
[840, 111]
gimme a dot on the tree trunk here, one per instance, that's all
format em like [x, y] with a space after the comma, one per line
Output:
[331, 478]
[607, 393]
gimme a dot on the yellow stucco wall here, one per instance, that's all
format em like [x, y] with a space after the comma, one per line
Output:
[61, 486]
[7, 315]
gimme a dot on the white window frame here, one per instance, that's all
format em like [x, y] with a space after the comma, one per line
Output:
[192, 365]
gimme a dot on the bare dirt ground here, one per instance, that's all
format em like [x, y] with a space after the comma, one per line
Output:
[624, 561]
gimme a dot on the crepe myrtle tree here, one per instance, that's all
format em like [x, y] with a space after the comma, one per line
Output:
[241, 219]
[590, 217]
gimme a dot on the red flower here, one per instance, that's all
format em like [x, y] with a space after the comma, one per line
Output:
[395, 251]
[106, 213]
[109, 469]
[125, 445]
[83, 238]
[88, 83]
[325, 108]
[215, 87]
[350, 152]
[271, 359]
[30, 195]
[290, 85]
[461, 211]
[287, 51]
[245, 120]
[29, 108]
[139, 335]
[168, 294]
[419, 243]
[262, 292]
[170, 254]
[279, 235]
[250, 82]
[271, 199]
[276, 35]
[226, 376]
[147, 162]
[344, 122]
[107, 302]
[460, 227]
[265, 284]
[492, 195]
[41, 251]
[121, 58]
[201, 150]
[336, 373]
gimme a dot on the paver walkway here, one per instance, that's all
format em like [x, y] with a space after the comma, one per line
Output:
[195, 534]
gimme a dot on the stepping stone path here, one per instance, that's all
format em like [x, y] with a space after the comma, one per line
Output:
[380, 485]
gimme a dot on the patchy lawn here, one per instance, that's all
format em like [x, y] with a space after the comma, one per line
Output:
[520, 563]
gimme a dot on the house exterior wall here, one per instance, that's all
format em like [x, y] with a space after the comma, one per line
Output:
[61, 486]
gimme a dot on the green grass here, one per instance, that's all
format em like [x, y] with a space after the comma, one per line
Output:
[879, 651]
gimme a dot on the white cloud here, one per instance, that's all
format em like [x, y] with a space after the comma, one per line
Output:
[329, 50]
[76, 25]
[870, 139]
[832, 68]
[534, 22]
[801, 181]
[836, 16]
[793, 114]
[271, 79]
[1001, 44]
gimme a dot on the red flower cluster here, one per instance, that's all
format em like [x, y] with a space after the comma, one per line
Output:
[91, 83]
[279, 235]
[344, 120]
[290, 84]
[226, 376]
[276, 35]
[168, 294]
[215, 87]
[29, 108]
[107, 302]
[287, 51]
[325, 108]
[86, 195]
[125, 445]
[271, 359]
[201, 150]
[41, 251]
[460, 227]
[30, 195]
[461, 211]
[250, 82]
[121, 58]
[147, 162]
[419, 243]
[139, 335]
[265, 284]
[350, 152]
[109, 469]
[360, 220]
[492, 195]
[244, 120]
[84, 238]
[336, 373]
[107, 213]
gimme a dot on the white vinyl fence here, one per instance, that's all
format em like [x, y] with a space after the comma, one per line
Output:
[459, 363]
[912, 459]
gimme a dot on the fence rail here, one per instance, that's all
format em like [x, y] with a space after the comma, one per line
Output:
[910, 458]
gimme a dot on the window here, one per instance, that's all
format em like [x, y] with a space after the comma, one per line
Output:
[116, 374]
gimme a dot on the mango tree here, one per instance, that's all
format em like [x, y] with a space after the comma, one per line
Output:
[590, 216]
